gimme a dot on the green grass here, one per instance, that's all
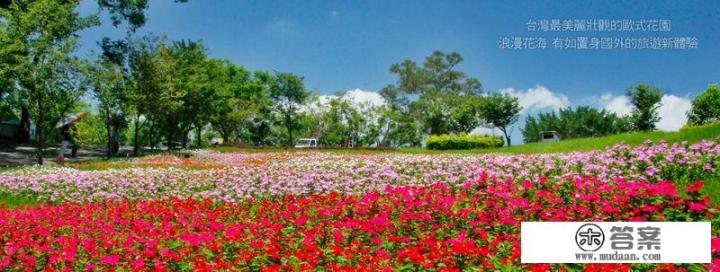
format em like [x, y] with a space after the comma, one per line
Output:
[691, 135]
[12, 201]
[711, 188]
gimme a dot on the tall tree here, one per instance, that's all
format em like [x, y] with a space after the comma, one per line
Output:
[39, 38]
[109, 89]
[288, 93]
[131, 14]
[501, 110]
[191, 80]
[706, 106]
[646, 100]
[145, 87]
[440, 97]
[237, 97]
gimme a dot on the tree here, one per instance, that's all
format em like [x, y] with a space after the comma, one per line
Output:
[238, 98]
[191, 80]
[144, 92]
[340, 120]
[39, 38]
[501, 110]
[646, 100]
[443, 99]
[109, 89]
[288, 93]
[130, 11]
[706, 106]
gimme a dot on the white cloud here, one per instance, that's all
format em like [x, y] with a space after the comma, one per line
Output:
[619, 105]
[538, 98]
[334, 13]
[360, 99]
[672, 111]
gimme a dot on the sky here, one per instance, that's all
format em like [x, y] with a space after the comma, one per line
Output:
[347, 45]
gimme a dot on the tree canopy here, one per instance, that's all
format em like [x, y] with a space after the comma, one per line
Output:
[706, 106]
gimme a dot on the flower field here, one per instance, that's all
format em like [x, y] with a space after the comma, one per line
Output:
[325, 211]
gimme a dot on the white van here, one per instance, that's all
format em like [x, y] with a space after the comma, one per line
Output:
[306, 143]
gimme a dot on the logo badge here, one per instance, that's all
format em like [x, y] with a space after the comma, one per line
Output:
[589, 237]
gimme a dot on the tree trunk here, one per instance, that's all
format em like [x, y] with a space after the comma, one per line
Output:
[288, 124]
[507, 138]
[39, 132]
[24, 136]
[199, 136]
[185, 139]
[151, 136]
[136, 146]
[225, 136]
[168, 140]
[108, 128]
[39, 145]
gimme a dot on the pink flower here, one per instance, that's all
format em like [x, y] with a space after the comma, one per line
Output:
[697, 206]
[110, 259]
[715, 244]
[300, 220]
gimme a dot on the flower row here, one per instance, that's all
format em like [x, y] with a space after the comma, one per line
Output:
[236, 176]
[440, 227]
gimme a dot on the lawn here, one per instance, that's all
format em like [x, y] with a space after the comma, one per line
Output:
[690, 134]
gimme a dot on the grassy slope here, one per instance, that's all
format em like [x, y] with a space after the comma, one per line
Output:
[692, 135]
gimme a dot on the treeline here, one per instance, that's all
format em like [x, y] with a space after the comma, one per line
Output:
[585, 121]
[145, 90]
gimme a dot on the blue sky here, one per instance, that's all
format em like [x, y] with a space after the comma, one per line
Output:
[344, 45]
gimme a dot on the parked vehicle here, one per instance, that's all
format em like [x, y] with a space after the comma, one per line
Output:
[306, 143]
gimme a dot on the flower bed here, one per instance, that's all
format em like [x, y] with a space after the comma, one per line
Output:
[237, 176]
[443, 227]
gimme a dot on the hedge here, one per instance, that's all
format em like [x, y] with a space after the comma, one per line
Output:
[444, 141]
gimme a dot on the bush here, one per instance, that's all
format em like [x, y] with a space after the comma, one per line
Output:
[444, 142]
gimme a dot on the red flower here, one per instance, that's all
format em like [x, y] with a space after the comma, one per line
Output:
[694, 187]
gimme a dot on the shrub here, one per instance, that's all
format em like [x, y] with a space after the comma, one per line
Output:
[445, 142]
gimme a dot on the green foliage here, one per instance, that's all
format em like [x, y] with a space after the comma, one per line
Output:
[646, 101]
[90, 131]
[399, 129]
[107, 80]
[39, 39]
[130, 11]
[445, 142]
[439, 98]
[572, 123]
[501, 110]
[706, 106]
[237, 96]
[333, 122]
[288, 93]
